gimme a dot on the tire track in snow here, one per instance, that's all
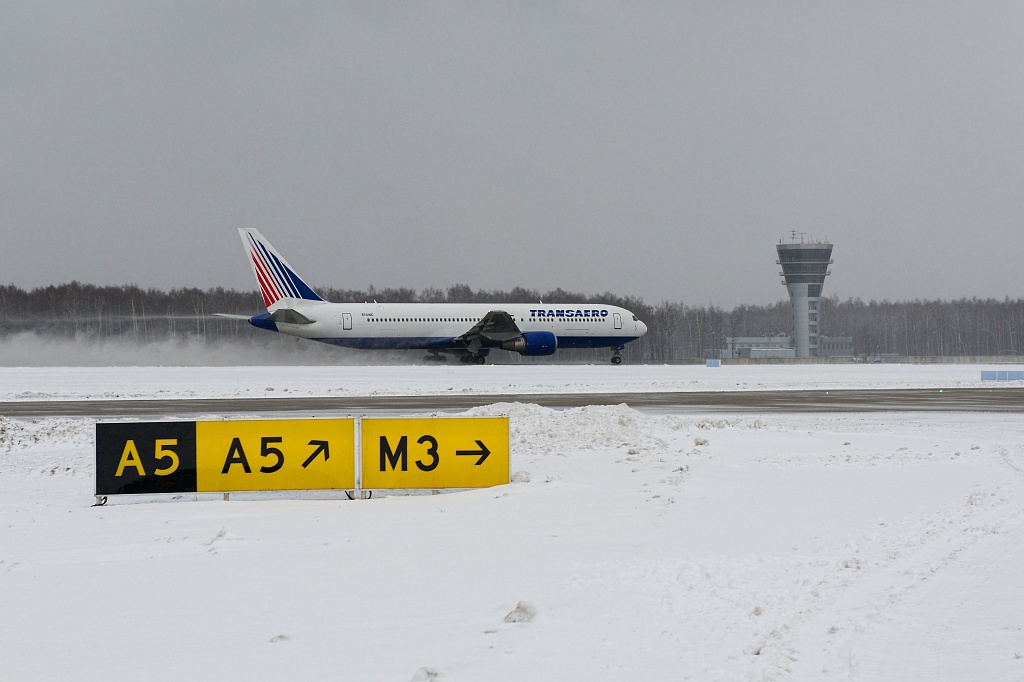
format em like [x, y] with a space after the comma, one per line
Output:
[964, 622]
[951, 611]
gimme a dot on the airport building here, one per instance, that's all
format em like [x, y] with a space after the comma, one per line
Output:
[778, 346]
[781, 346]
[805, 264]
[804, 268]
[836, 347]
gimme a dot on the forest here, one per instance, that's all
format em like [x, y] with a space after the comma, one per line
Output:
[678, 332]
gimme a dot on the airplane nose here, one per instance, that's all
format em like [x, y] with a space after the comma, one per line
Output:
[641, 327]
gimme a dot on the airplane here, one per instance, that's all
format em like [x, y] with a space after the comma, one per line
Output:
[467, 331]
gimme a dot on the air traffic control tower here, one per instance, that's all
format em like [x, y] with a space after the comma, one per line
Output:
[804, 267]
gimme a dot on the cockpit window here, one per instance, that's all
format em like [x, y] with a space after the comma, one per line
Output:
[635, 319]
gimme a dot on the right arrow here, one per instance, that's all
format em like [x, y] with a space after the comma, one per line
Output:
[482, 453]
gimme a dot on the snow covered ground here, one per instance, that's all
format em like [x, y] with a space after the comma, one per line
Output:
[35, 383]
[642, 546]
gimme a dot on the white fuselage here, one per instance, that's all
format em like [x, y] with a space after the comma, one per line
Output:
[439, 325]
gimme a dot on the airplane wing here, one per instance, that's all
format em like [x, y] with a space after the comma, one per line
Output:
[496, 328]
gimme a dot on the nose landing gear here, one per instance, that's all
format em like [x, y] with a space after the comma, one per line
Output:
[616, 358]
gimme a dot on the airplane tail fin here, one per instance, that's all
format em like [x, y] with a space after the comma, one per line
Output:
[277, 279]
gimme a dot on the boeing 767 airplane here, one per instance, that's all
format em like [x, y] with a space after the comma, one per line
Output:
[468, 331]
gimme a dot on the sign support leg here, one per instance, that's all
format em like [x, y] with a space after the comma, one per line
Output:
[358, 493]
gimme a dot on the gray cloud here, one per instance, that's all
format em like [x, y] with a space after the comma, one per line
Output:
[657, 150]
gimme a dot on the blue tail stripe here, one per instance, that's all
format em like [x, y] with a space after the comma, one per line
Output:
[297, 285]
[300, 288]
[272, 269]
[286, 279]
[279, 275]
[305, 292]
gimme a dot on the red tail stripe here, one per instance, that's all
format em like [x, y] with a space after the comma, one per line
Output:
[271, 294]
[267, 298]
[268, 288]
[268, 275]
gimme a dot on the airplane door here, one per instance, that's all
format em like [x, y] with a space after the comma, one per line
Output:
[617, 318]
[346, 321]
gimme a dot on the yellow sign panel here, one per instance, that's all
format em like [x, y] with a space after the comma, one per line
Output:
[292, 454]
[435, 453]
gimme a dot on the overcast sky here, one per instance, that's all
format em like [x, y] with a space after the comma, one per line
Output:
[647, 149]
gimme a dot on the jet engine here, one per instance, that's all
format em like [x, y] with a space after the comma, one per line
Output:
[532, 343]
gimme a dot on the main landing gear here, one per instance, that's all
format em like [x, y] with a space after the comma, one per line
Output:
[474, 354]
[465, 357]
[616, 358]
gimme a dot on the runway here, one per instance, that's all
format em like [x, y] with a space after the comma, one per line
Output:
[997, 399]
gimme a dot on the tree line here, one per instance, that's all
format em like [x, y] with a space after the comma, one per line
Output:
[677, 332]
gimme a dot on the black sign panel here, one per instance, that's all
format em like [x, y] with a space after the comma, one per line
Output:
[145, 458]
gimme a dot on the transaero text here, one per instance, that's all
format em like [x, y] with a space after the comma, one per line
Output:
[561, 312]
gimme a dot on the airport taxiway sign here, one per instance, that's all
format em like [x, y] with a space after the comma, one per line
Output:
[443, 452]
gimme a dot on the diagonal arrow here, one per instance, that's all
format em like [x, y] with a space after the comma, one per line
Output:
[482, 452]
[322, 448]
